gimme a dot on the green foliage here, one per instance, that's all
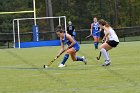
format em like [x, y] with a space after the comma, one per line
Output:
[12, 6]
[120, 13]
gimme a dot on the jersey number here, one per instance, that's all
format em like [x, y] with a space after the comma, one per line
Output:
[96, 28]
[70, 27]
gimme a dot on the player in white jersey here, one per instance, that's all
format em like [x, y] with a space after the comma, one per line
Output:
[110, 40]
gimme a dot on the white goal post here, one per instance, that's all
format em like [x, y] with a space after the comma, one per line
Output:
[16, 25]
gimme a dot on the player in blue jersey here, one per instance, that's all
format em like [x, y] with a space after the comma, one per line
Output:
[72, 48]
[95, 32]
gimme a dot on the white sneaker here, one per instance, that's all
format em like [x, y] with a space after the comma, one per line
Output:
[107, 63]
[84, 60]
[61, 65]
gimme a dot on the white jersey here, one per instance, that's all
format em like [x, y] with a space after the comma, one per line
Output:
[112, 35]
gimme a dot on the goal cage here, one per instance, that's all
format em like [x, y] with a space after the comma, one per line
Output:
[27, 34]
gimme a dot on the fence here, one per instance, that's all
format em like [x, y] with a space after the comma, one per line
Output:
[125, 34]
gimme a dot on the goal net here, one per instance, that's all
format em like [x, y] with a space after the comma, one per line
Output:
[24, 29]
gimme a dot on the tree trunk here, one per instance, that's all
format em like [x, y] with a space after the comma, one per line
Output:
[49, 13]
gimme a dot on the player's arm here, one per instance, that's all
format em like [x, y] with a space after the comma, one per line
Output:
[62, 48]
[73, 28]
[91, 29]
[71, 40]
[74, 33]
[106, 34]
[100, 29]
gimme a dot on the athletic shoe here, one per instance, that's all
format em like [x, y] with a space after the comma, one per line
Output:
[84, 60]
[107, 63]
[61, 65]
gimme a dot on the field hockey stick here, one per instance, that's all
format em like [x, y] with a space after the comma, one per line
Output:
[88, 36]
[45, 66]
[98, 58]
[91, 35]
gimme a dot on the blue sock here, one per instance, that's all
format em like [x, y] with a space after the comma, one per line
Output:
[65, 59]
[96, 45]
[79, 59]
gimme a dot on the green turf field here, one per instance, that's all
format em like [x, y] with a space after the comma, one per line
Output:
[21, 71]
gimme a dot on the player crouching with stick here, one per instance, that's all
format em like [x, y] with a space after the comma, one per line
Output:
[110, 40]
[73, 47]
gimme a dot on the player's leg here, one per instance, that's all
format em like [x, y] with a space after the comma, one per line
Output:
[70, 51]
[96, 42]
[96, 37]
[104, 48]
[77, 58]
[66, 56]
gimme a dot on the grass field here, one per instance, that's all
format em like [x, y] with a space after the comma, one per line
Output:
[21, 71]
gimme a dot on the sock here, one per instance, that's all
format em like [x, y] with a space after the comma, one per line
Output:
[96, 45]
[65, 59]
[79, 59]
[105, 54]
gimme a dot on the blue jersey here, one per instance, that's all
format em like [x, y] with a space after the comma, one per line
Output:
[66, 41]
[95, 29]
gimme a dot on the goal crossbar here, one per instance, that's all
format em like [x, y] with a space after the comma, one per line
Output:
[17, 12]
[39, 18]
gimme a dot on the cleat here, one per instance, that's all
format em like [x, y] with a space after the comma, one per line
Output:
[84, 60]
[61, 65]
[107, 63]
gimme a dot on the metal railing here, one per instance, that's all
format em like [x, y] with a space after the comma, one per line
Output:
[125, 34]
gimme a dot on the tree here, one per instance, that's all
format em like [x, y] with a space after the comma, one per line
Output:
[119, 13]
[10, 6]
